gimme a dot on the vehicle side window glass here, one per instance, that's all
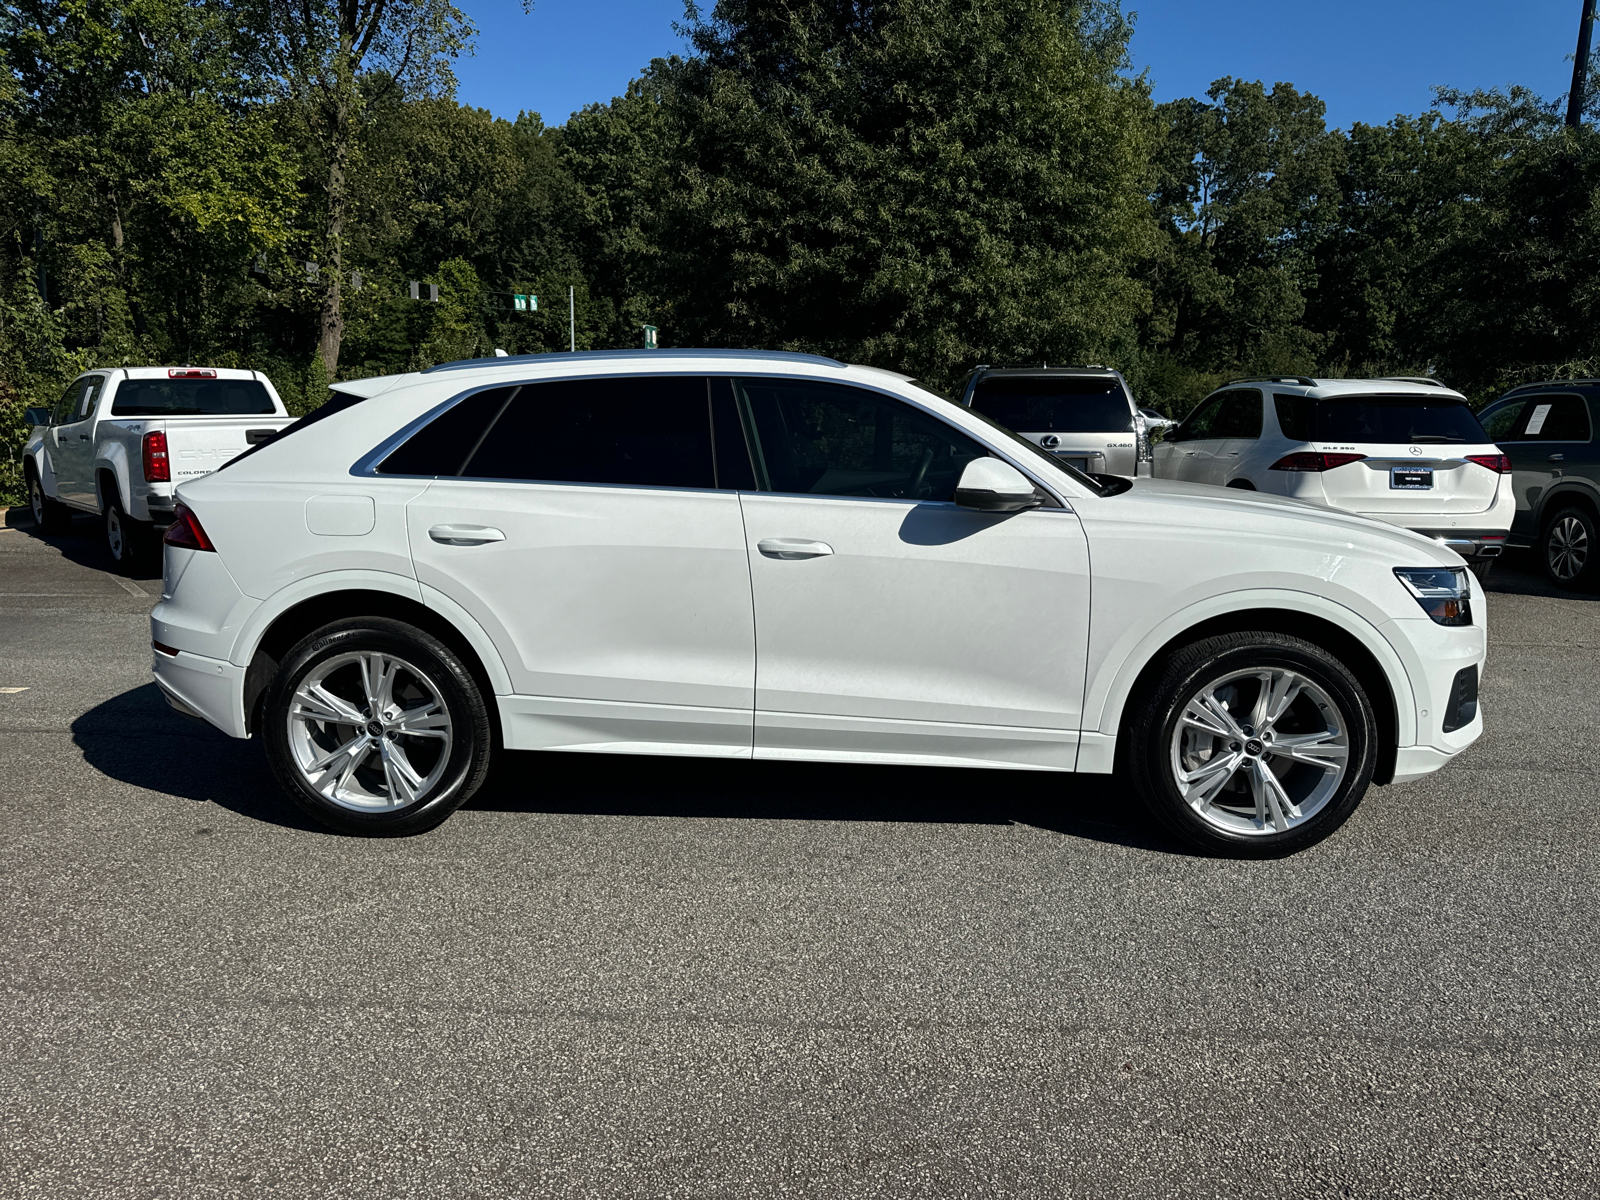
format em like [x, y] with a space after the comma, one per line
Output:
[442, 446]
[1239, 416]
[1294, 416]
[728, 440]
[828, 439]
[627, 430]
[1500, 422]
[1556, 419]
[91, 394]
[67, 406]
[1200, 422]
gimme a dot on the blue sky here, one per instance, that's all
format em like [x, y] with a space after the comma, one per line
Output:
[1368, 59]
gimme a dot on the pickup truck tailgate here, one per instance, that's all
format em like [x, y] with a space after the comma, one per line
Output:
[197, 446]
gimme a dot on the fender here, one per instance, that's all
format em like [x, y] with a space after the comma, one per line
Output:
[255, 626]
[114, 458]
[39, 456]
[1107, 693]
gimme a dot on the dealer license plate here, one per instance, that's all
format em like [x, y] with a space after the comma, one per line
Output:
[1412, 478]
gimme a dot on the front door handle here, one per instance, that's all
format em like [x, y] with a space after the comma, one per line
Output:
[792, 548]
[465, 535]
[1558, 458]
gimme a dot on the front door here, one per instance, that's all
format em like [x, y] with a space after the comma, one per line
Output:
[586, 532]
[1190, 451]
[891, 623]
[72, 442]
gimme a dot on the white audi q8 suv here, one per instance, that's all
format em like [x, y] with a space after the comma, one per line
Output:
[777, 556]
[1406, 451]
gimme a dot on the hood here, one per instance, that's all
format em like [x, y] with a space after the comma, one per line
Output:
[1254, 513]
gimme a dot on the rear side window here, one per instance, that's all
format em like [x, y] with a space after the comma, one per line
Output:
[1553, 419]
[445, 444]
[628, 430]
[192, 398]
[1055, 404]
[1394, 420]
[336, 403]
[1500, 422]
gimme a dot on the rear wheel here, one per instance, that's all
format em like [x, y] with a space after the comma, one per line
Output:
[1252, 745]
[126, 539]
[1568, 548]
[51, 516]
[374, 727]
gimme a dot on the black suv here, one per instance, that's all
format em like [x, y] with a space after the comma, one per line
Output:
[1548, 430]
[1083, 415]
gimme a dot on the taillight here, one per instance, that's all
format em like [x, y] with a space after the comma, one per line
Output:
[156, 467]
[185, 531]
[1308, 460]
[1500, 464]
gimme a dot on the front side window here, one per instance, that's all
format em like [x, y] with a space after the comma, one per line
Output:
[192, 398]
[1055, 403]
[829, 439]
[66, 409]
[1201, 422]
[1554, 419]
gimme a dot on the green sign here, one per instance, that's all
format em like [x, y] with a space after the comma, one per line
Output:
[649, 337]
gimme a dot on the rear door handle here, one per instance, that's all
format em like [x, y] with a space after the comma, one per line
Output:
[465, 535]
[83, 437]
[1558, 458]
[792, 548]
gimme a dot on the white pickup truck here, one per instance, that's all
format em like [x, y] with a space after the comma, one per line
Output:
[120, 441]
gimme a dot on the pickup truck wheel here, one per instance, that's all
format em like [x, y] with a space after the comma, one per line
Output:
[126, 539]
[1570, 545]
[51, 516]
[1252, 745]
[375, 728]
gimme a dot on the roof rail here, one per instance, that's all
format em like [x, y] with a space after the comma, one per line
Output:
[583, 356]
[1589, 379]
[1411, 379]
[1298, 380]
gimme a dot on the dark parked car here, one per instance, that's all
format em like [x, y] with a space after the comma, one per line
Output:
[1548, 431]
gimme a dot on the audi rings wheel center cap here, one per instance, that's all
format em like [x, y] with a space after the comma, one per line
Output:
[1254, 747]
[375, 729]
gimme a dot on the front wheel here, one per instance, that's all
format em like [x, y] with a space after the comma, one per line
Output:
[1252, 745]
[1569, 547]
[51, 516]
[374, 727]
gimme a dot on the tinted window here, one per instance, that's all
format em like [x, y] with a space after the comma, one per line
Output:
[1394, 420]
[1055, 404]
[1239, 415]
[1554, 419]
[1200, 423]
[831, 440]
[1500, 421]
[192, 398]
[1294, 415]
[90, 397]
[441, 447]
[628, 430]
[731, 450]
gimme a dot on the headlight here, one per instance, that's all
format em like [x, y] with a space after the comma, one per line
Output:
[1443, 592]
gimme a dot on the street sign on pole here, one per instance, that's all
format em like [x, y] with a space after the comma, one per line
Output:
[572, 321]
[1580, 66]
[433, 292]
[650, 337]
[519, 302]
[414, 288]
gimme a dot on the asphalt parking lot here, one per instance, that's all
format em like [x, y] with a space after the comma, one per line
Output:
[617, 977]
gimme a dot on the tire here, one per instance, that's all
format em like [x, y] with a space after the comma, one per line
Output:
[1243, 485]
[315, 722]
[1172, 728]
[1568, 547]
[127, 540]
[51, 516]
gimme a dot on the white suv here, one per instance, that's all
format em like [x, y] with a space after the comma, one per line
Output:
[777, 556]
[1406, 451]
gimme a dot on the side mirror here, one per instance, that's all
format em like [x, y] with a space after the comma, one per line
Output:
[990, 485]
[36, 416]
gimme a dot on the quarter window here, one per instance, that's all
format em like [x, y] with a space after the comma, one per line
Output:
[828, 439]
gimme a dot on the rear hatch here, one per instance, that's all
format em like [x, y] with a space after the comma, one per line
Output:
[1415, 449]
[1087, 420]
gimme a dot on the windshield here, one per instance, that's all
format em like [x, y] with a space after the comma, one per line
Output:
[1379, 419]
[1055, 403]
[192, 398]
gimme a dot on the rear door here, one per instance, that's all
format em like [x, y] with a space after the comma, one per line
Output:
[1415, 448]
[1549, 437]
[592, 531]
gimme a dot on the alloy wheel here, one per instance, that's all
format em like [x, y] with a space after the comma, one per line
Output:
[116, 536]
[1260, 751]
[1567, 548]
[36, 500]
[369, 731]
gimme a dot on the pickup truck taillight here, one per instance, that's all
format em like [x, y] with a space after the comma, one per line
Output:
[185, 531]
[156, 467]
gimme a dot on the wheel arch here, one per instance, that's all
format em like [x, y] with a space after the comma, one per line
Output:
[114, 462]
[300, 618]
[1569, 495]
[1360, 647]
